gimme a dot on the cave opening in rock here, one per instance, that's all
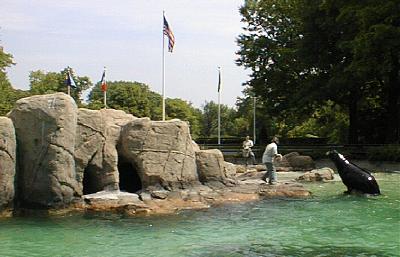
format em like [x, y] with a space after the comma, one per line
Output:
[90, 181]
[129, 179]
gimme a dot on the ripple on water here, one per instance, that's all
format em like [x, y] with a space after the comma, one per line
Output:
[329, 224]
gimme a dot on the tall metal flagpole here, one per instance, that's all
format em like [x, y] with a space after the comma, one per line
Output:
[68, 80]
[254, 119]
[163, 71]
[105, 91]
[219, 105]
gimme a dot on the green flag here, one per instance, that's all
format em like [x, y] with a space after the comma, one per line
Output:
[219, 80]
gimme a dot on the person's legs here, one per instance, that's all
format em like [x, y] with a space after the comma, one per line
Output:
[272, 176]
[246, 155]
[253, 157]
[269, 167]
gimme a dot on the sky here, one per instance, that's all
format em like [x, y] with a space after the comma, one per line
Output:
[126, 37]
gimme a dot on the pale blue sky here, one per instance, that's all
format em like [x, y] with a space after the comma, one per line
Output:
[126, 37]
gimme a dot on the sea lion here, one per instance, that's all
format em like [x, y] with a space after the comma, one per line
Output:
[356, 179]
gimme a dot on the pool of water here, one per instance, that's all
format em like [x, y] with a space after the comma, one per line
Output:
[328, 224]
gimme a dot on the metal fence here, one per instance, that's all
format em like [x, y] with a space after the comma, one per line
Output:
[317, 151]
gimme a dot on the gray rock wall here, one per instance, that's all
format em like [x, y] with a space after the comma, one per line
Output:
[7, 162]
[45, 128]
[62, 152]
[211, 165]
[96, 155]
[163, 152]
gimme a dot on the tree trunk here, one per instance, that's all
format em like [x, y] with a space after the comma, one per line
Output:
[353, 117]
[393, 103]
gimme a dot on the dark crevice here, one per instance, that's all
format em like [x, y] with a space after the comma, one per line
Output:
[91, 181]
[129, 179]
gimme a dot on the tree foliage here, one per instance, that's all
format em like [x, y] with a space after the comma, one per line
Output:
[232, 125]
[306, 53]
[42, 82]
[132, 97]
[180, 109]
[8, 95]
[137, 99]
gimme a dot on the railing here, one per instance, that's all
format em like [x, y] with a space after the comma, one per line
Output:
[317, 151]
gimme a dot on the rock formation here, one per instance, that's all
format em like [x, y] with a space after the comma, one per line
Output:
[162, 152]
[7, 163]
[210, 165]
[96, 156]
[109, 160]
[295, 162]
[45, 128]
[324, 174]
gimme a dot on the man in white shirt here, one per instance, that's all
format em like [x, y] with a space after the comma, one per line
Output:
[270, 153]
[247, 152]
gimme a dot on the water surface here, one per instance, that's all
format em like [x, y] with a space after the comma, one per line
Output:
[328, 224]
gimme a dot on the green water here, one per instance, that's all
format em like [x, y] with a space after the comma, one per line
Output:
[329, 224]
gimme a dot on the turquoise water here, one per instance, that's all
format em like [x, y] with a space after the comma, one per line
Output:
[329, 224]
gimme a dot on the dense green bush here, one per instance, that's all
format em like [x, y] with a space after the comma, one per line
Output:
[384, 153]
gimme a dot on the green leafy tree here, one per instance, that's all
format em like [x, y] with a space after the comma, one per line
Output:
[137, 99]
[328, 121]
[354, 46]
[268, 50]
[5, 86]
[303, 53]
[132, 97]
[8, 95]
[374, 43]
[180, 109]
[209, 121]
[42, 82]
[245, 118]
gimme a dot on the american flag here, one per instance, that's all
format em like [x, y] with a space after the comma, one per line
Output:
[171, 38]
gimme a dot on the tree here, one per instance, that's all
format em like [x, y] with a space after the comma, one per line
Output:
[375, 48]
[180, 109]
[8, 95]
[209, 121]
[327, 121]
[137, 99]
[132, 97]
[268, 49]
[42, 82]
[304, 53]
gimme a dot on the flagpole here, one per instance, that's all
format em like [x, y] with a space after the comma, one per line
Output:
[69, 86]
[105, 99]
[105, 91]
[254, 119]
[163, 71]
[219, 107]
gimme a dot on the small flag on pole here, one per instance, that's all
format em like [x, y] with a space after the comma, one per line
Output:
[219, 79]
[103, 81]
[69, 80]
[171, 38]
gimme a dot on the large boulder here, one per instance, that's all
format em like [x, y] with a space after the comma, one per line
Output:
[7, 162]
[323, 174]
[96, 156]
[162, 152]
[295, 162]
[211, 165]
[45, 127]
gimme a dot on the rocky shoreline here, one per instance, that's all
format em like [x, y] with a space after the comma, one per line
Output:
[56, 158]
[248, 187]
